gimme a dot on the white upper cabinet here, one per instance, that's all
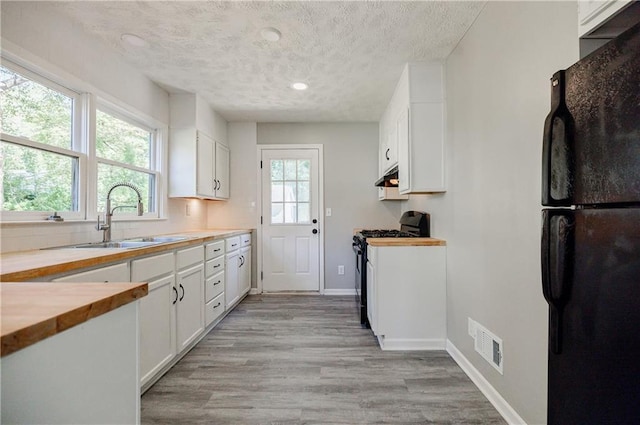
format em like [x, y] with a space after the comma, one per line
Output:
[222, 172]
[593, 13]
[415, 120]
[198, 164]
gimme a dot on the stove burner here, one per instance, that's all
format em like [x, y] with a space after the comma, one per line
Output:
[387, 234]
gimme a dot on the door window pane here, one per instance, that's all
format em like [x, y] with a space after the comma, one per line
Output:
[303, 192]
[33, 111]
[289, 169]
[304, 213]
[277, 170]
[290, 191]
[37, 180]
[304, 167]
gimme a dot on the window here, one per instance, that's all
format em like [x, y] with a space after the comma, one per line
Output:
[54, 158]
[125, 152]
[41, 161]
[290, 191]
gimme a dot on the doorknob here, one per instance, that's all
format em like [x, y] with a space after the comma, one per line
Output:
[314, 231]
[314, 221]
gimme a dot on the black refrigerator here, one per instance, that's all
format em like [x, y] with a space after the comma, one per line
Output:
[591, 237]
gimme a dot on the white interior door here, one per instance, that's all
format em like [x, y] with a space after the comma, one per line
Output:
[290, 220]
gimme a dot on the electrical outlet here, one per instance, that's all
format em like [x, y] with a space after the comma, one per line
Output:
[340, 269]
[328, 212]
[188, 210]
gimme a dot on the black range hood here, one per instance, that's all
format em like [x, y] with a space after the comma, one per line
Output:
[390, 179]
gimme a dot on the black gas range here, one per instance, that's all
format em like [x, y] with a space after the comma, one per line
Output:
[413, 224]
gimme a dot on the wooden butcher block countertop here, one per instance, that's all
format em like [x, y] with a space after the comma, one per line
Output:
[406, 242]
[33, 311]
[37, 263]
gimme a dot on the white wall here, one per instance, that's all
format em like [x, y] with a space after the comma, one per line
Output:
[240, 211]
[497, 83]
[350, 170]
[53, 44]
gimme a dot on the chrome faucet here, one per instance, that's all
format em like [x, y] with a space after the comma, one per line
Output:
[108, 213]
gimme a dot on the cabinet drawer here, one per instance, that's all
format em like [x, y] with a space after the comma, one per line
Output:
[189, 256]
[214, 249]
[146, 269]
[245, 240]
[214, 266]
[232, 243]
[213, 309]
[213, 286]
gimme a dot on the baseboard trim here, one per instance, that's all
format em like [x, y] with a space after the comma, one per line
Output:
[254, 291]
[335, 292]
[494, 397]
[400, 344]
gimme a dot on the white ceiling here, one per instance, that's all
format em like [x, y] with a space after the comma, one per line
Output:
[350, 53]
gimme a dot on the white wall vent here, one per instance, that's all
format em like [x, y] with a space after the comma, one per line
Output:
[487, 344]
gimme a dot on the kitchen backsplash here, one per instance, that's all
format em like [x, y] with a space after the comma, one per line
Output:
[26, 236]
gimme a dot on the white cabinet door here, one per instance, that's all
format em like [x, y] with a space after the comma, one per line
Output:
[404, 152]
[115, 273]
[190, 305]
[205, 166]
[231, 290]
[222, 171]
[371, 297]
[244, 277]
[157, 327]
[198, 165]
[593, 13]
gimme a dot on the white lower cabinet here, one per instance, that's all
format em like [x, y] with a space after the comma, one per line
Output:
[237, 268]
[231, 291]
[87, 374]
[190, 304]
[157, 327]
[172, 314]
[215, 281]
[214, 308]
[244, 273]
[406, 298]
[157, 313]
[115, 273]
[371, 296]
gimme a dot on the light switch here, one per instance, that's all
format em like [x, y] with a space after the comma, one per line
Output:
[328, 212]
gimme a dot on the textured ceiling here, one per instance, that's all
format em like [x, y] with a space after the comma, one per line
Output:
[350, 53]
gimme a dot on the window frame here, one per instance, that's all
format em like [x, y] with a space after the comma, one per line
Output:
[155, 159]
[85, 103]
[76, 149]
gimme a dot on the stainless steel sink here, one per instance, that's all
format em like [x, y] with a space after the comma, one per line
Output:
[127, 243]
[121, 244]
[158, 239]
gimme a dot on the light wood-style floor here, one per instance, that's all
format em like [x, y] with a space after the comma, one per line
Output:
[304, 359]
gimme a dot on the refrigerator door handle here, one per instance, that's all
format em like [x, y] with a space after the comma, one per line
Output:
[557, 265]
[557, 148]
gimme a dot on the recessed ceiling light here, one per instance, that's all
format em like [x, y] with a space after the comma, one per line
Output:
[270, 34]
[134, 40]
[299, 86]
